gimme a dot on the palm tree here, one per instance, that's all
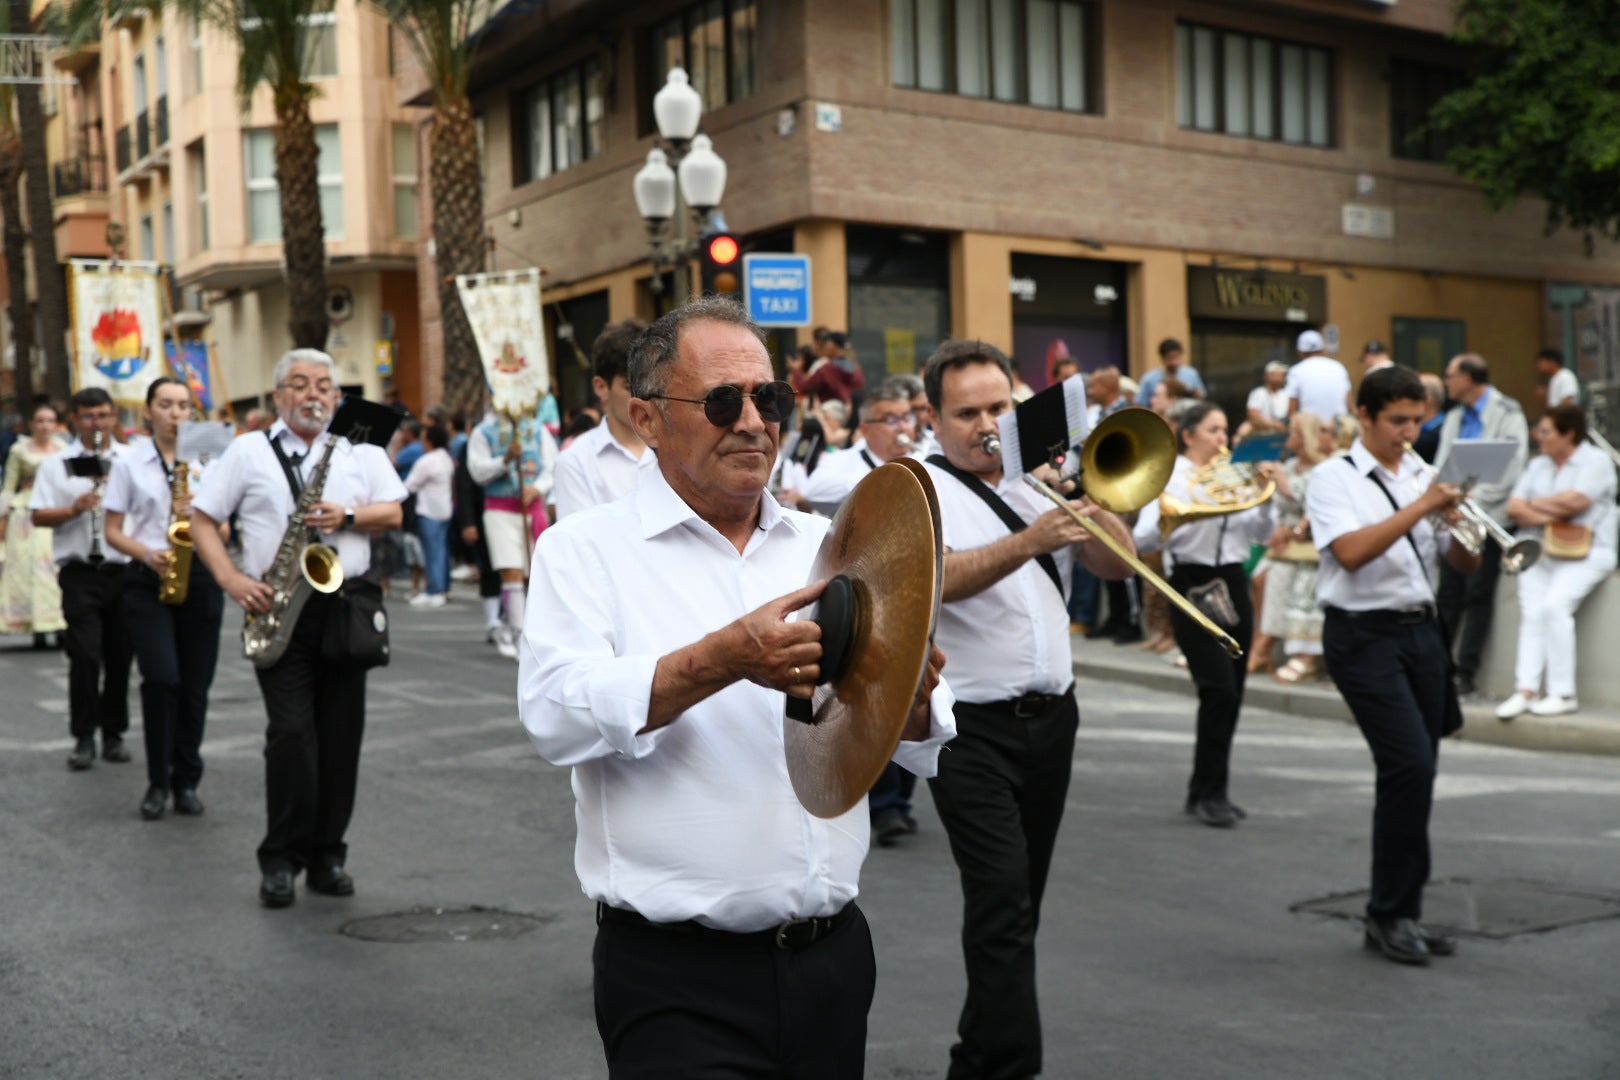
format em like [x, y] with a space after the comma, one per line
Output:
[275, 49]
[439, 33]
[16, 244]
[48, 279]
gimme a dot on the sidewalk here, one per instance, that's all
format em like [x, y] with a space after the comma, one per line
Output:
[1593, 731]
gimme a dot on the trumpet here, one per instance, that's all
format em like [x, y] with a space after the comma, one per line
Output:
[1475, 528]
[1124, 465]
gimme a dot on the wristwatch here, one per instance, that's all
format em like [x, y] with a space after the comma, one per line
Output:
[348, 518]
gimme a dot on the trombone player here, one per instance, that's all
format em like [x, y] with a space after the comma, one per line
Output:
[67, 499]
[171, 603]
[316, 705]
[1373, 516]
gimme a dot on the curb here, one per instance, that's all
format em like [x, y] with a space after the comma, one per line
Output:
[1564, 735]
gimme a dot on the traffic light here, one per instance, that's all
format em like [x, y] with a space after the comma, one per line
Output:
[722, 263]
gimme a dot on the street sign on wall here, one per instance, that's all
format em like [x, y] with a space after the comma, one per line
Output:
[776, 289]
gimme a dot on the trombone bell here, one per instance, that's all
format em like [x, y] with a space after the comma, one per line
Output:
[1127, 459]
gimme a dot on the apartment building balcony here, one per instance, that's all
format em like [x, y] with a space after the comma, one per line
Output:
[151, 144]
[122, 158]
[143, 135]
[80, 206]
[82, 175]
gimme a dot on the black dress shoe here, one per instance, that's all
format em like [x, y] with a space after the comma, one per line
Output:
[186, 802]
[276, 890]
[1466, 690]
[1437, 943]
[1401, 940]
[152, 805]
[888, 827]
[115, 751]
[1216, 813]
[83, 756]
[1103, 630]
[331, 881]
[1128, 635]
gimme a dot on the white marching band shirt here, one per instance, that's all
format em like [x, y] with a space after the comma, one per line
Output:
[55, 489]
[596, 468]
[139, 489]
[1217, 540]
[696, 819]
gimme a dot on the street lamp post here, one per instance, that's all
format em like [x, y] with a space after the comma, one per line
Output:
[682, 172]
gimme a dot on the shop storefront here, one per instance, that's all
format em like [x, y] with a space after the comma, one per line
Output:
[1065, 307]
[1244, 319]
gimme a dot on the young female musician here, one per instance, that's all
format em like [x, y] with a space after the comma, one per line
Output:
[176, 644]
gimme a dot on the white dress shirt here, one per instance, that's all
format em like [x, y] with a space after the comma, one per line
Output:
[1563, 387]
[1011, 639]
[1320, 384]
[1342, 500]
[1212, 541]
[596, 468]
[1588, 471]
[836, 475]
[430, 481]
[139, 489]
[696, 819]
[248, 481]
[55, 489]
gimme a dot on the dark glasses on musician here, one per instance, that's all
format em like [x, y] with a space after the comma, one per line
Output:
[723, 405]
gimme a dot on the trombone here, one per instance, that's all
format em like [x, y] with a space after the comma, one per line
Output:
[1124, 464]
[1475, 528]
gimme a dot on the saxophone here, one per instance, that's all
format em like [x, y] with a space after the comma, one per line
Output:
[176, 580]
[303, 565]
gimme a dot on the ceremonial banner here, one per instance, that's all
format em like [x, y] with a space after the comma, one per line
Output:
[191, 365]
[117, 317]
[504, 310]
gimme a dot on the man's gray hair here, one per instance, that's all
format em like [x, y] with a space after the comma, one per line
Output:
[301, 356]
[912, 383]
[654, 352]
[893, 389]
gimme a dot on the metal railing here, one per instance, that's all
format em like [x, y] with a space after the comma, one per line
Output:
[121, 156]
[161, 115]
[143, 135]
[82, 175]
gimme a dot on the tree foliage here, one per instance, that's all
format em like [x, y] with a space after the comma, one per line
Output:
[1540, 114]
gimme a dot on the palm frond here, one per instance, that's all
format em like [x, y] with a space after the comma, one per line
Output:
[439, 34]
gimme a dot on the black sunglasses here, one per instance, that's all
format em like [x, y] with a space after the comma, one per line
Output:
[723, 405]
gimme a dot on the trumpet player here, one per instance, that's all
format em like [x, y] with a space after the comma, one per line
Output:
[67, 499]
[1372, 515]
[176, 644]
[316, 705]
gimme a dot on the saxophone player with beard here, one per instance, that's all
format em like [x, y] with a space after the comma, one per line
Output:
[316, 705]
[176, 644]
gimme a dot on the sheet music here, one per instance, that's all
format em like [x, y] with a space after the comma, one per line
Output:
[203, 440]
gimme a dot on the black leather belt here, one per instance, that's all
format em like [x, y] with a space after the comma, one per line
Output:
[790, 934]
[1407, 616]
[1026, 706]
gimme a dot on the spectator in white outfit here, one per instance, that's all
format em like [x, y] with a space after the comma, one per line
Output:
[1562, 386]
[1318, 383]
[1568, 488]
[1268, 402]
[430, 480]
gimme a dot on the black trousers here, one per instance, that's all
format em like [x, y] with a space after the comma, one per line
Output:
[1000, 793]
[98, 649]
[177, 647]
[312, 748]
[1467, 604]
[1393, 677]
[1219, 677]
[678, 1005]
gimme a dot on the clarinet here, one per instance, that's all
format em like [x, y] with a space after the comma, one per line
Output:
[98, 518]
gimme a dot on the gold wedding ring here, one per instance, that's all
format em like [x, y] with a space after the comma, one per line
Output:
[795, 674]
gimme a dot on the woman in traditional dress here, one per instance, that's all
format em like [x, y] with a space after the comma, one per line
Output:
[30, 601]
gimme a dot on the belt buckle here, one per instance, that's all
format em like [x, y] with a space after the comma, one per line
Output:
[788, 924]
[1411, 616]
[1027, 706]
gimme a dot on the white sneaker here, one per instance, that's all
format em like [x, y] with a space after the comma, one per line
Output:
[1553, 705]
[434, 600]
[421, 599]
[506, 642]
[1513, 706]
[464, 573]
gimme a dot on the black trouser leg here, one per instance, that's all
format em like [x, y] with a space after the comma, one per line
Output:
[98, 649]
[1393, 677]
[197, 645]
[1219, 677]
[1479, 609]
[672, 1005]
[312, 748]
[117, 654]
[1000, 792]
[152, 630]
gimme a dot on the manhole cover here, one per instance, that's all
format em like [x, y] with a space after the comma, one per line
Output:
[1490, 909]
[444, 924]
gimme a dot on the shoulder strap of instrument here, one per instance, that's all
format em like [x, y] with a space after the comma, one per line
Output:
[1373, 476]
[870, 464]
[286, 466]
[1008, 516]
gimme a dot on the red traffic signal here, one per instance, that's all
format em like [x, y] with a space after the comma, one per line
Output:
[721, 263]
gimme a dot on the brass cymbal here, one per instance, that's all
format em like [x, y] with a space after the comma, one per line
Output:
[885, 568]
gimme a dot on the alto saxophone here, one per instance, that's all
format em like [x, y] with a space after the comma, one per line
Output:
[176, 580]
[303, 566]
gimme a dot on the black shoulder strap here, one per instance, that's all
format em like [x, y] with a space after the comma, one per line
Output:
[870, 464]
[293, 481]
[1006, 513]
[1373, 476]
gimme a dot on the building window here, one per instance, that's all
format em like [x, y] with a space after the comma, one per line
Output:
[264, 197]
[194, 41]
[405, 224]
[148, 241]
[168, 234]
[1031, 52]
[320, 45]
[197, 165]
[557, 123]
[1256, 87]
[1414, 89]
[716, 42]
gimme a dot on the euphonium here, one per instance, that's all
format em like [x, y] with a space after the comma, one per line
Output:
[177, 578]
[1220, 487]
[303, 565]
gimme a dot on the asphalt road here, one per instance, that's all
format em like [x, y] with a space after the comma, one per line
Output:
[136, 949]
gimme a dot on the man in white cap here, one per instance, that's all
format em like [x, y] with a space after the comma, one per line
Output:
[1317, 384]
